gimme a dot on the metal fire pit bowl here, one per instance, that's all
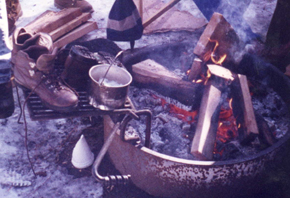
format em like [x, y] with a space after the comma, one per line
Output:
[109, 96]
[162, 175]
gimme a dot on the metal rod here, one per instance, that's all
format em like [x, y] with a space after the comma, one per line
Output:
[160, 12]
[119, 53]
[141, 9]
[111, 179]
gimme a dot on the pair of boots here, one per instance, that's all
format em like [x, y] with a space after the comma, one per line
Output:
[33, 68]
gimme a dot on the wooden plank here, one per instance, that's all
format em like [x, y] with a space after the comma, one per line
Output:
[243, 110]
[69, 26]
[217, 30]
[76, 33]
[153, 75]
[50, 20]
[205, 135]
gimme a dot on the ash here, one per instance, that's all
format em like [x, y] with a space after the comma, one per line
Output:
[172, 134]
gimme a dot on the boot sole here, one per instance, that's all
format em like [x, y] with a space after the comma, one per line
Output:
[59, 109]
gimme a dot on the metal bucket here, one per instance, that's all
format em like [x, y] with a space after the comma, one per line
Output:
[109, 96]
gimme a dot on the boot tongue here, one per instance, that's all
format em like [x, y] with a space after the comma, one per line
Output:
[45, 62]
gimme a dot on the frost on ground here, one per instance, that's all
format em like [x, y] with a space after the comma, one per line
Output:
[50, 142]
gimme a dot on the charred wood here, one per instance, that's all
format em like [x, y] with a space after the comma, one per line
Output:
[217, 30]
[196, 69]
[243, 110]
[265, 132]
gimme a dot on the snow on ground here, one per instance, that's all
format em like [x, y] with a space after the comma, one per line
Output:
[47, 139]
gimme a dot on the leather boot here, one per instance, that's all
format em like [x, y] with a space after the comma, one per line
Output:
[77, 66]
[21, 39]
[82, 4]
[33, 69]
[14, 11]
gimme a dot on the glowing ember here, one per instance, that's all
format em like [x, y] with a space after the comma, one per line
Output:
[185, 116]
[227, 130]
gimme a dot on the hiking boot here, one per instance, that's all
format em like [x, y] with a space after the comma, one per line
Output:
[14, 11]
[21, 39]
[33, 69]
[82, 4]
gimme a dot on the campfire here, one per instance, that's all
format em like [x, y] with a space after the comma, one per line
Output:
[211, 127]
[222, 113]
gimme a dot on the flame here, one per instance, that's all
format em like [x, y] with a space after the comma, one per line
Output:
[212, 54]
[227, 129]
[179, 113]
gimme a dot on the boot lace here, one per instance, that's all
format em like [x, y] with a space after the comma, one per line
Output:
[52, 81]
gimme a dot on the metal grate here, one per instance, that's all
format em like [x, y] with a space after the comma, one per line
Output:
[38, 111]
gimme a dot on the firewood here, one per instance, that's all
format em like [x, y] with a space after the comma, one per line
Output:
[243, 110]
[50, 20]
[196, 69]
[217, 30]
[151, 74]
[265, 132]
[76, 33]
[204, 138]
[221, 72]
[69, 26]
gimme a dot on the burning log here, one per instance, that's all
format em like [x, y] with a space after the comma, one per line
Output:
[205, 134]
[50, 21]
[150, 74]
[76, 33]
[196, 69]
[217, 32]
[243, 109]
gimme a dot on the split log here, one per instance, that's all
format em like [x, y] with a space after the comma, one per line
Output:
[196, 69]
[76, 33]
[218, 29]
[151, 74]
[69, 26]
[243, 110]
[221, 72]
[205, 135]
[50, 21]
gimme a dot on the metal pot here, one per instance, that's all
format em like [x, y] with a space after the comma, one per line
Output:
[109, 96]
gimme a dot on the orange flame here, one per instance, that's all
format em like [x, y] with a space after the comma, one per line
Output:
[221, 59]
[227, 129]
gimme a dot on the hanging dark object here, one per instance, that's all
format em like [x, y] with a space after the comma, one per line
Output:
[124, 23]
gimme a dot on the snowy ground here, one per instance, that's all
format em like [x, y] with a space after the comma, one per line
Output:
[50, 142]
